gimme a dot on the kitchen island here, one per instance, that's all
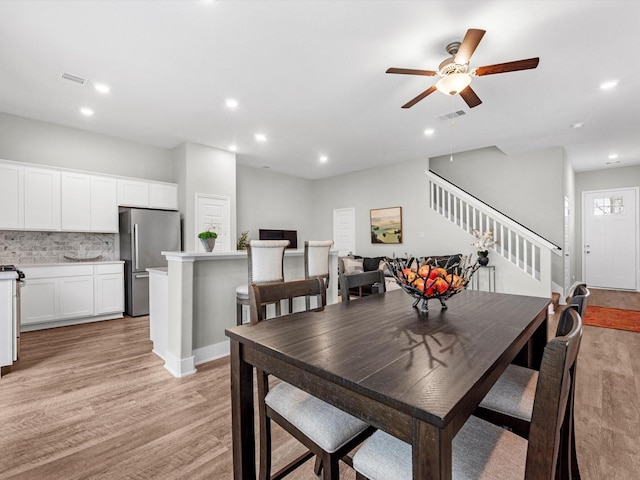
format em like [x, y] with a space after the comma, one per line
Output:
[200, 303]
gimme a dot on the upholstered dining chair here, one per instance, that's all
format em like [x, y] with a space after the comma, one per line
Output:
[373, 279]
[482, 450]
[326, 431]
[316, 261]
[510, 402]
[265, 259]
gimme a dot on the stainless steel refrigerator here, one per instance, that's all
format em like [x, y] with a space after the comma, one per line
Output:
[144, 234]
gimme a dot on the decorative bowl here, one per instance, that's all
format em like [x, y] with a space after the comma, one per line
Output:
[424, 280]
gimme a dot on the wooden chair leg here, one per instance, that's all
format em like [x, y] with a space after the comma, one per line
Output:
[238, 313]
[330, 467]
[265, 428]
[317, 468]
[359, 476]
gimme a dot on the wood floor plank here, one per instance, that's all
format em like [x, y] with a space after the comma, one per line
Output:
[93, 402]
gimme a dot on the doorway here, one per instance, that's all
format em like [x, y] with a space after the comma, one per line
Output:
[214, 210]
[344, 230]
[610, 233]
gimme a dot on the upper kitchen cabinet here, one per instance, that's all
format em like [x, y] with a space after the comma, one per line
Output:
[133, 193]
[89, 203]
[41, 199]
[163, 195]
[11, 196]
[137, 193]
[104, 204]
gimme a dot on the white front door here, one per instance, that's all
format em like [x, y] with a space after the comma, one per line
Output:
[214, 210]
[344, 230]
[610, 238]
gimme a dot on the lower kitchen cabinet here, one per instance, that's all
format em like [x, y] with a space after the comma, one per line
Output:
[66, 294]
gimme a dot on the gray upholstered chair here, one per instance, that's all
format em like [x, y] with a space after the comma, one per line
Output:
[265, 259]
[373, 279]
[482, 450]
[328, 433]
[510, 402]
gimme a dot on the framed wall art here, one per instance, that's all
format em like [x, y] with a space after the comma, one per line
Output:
[386, 225]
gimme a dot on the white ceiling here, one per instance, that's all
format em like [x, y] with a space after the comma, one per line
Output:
[311, 76]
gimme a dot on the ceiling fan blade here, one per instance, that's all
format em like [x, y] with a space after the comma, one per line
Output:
[427, 92]
[526, 64]
[469, 96]
[409, 71]
[471, 40]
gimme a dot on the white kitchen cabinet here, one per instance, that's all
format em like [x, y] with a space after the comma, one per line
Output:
[89, 203]
[39, 300]
[75, 202]
[104, 204]
[56, 295]
[41, 199]
[7, 312]
[109, 291]
[163, 196]
[76, 296]
[133, 193]
[11, 196]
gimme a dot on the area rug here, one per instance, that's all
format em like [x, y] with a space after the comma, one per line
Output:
[612, 318]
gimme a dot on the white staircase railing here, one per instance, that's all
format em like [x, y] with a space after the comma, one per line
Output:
[520, 246]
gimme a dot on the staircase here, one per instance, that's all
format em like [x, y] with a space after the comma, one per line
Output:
[521, 247]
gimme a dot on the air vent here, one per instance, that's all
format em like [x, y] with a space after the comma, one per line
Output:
[68, 77]
[452, 115]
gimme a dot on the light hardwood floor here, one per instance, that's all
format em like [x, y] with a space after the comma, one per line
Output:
[92, 401]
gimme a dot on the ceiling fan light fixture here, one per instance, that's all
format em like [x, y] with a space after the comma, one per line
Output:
[453, 83]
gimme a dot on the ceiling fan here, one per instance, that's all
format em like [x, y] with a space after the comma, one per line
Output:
[455, 72]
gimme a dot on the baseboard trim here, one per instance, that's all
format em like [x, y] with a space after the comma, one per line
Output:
[211, 352]
[179, 367]
[29, 327]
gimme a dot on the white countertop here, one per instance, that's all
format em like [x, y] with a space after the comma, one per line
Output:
[101, 262]
[8, 275]
[200, 256]
[158, 270]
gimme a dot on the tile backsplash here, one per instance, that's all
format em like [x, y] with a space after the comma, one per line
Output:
[26, 248]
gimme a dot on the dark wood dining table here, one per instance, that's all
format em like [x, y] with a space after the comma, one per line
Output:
[418, 377]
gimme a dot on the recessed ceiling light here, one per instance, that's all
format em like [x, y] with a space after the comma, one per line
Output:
[613, 156]
[260, 137]
[231, 102]
[101, 87]
[233, 148]
[429, 131]
[609, 84]
[323, 158]
[86, 111]
[577, 125]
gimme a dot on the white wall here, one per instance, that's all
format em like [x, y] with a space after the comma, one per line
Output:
[33, 141]
[276, 201]
[399, 185]
[620, 177]
[202, 169]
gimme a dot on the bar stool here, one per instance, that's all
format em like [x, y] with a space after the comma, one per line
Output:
[265, 259]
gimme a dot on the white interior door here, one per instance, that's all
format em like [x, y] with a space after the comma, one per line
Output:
[610, 238]
[214, 210]
[344, 230]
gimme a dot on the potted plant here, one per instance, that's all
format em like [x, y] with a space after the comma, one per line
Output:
[242, 241]
[484, 241]
[208, 238]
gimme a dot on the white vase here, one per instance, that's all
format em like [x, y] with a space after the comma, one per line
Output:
[208, 244]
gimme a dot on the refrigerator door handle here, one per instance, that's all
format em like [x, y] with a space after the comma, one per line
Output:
[142, 275]
[135, 245]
